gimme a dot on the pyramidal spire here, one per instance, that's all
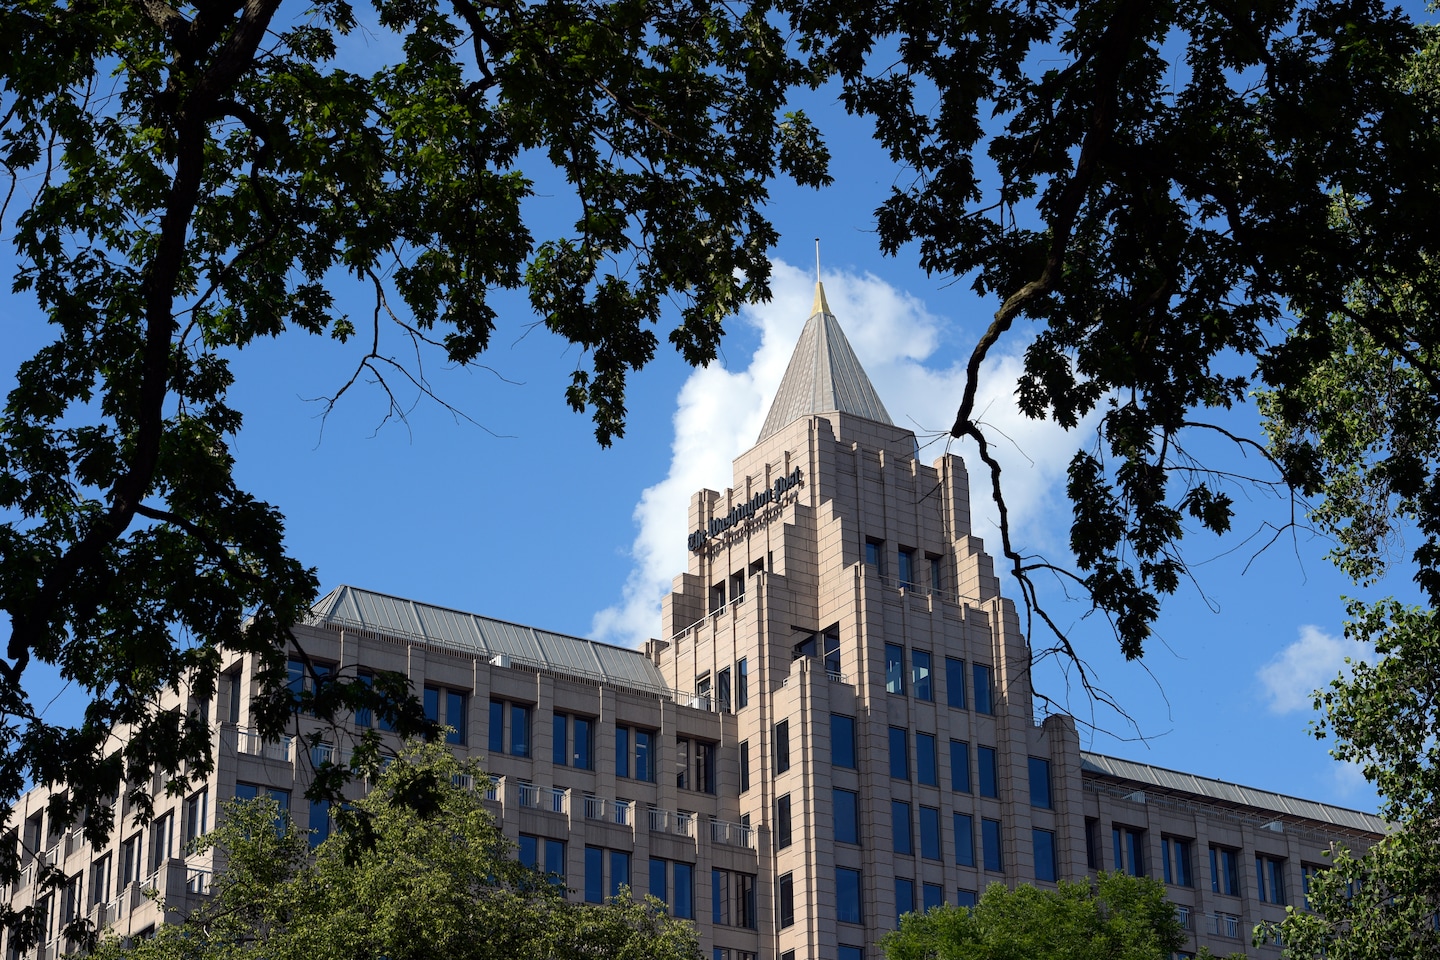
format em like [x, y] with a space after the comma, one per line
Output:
[824, 376]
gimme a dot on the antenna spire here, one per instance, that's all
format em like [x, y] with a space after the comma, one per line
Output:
[817, 259]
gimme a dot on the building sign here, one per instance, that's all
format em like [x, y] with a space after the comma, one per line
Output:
[719, 526]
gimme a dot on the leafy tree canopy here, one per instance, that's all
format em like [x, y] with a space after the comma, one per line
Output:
[1120, 918]
[435, 879]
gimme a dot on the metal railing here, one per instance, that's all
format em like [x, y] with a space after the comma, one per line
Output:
[491, 788]
[554, 800]
[250, 742]
[1182, 914]
[732, 834]
[668, 821]
[1223, 925]
[529, 795]
[198, 880]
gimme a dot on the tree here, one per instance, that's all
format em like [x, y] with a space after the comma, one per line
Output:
[434, 878]
[186, 179]
[1154, 188]
[1120, 918]
[1383, 904]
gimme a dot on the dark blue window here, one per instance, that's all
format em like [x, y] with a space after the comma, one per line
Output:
[847, 816]
[842, 740]
[901, 840]
[990, 844]
[899, 754]
[847, 895]
[1039, 783]
[894, 668]
[925, 763]
[964, 840]
[904, 897]
[959, 766]
[982, 689]
[1044, 854]
[955, 683]
[989, 780]
[594, 875]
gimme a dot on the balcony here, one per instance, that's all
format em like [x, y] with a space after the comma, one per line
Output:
[668, 821]
[732, 834]
[1225, 925]
[249, 742]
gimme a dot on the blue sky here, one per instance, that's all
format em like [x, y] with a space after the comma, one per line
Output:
[527, 519]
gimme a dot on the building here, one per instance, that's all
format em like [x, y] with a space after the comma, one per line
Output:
[835, 729]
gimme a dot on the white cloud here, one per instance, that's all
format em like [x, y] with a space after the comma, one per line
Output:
[1306, 665]
[719, 413]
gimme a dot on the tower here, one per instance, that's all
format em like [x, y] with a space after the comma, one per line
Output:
[837, 602]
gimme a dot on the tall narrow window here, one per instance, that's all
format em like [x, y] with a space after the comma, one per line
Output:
[782, 822]
[894, 668]
[622, 752]
[497, 726]
[926, 766]
[594, 875]
[742, 683]
[744, 765]
[848, 898]
[901, 840]
[964, 840]
[682, 902]
[560, 740]
[1225, 871]
[875, 555]
[959, 766]
[907, 568]
[780, 743]
[899, 754]
[931, 895]
[582, 746]
[456, 717]
[989, 774]
[904, 897]
[722, 690]
[1040, 783]
[937, 579]
[846, 805]
[658, 886]
[519, 730]
[955, 683]
[983, 701]
[842, 740]
[990, 845]
[920, 679]
[1044, 841]
[785, 894]
[619, 871]
[930, 833]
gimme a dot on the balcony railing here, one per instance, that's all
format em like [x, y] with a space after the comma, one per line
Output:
[668, 821]
[732, 834]
[250, 742]
[1223, 925]
[197, 880]
[1182, 914]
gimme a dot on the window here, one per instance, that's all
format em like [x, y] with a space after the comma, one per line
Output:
[196, 816]
[555, 861]
[232, 690]
[983, 702]
[573, 743]
[683, 890]
[959, 766]
[785, 900]
[635, 753]
[824, 644]
[319, 822]
[899, 754]
[1040, 783]
[594, 875]
[130, 860]
[732, 898]
[780, 743]
[926, 770]
[847, 816]
[1092, 843]
[875, 555]
[850, 953]
[894, 668]
[454, 716]
[966, 898]
[907, 568]
[1129, 846]
[744, 765]
[990, 845]
[619, 871]
[722, 690]
[249, 791]
[100, 880]
[1270, 878]
[742, 683]
[717, 597]
[930, 833]
[920, 679]
[694, 765]
[1175, 854]
[847, 896]
[1225, 871]
[162, 840]
[955, 683]
[931, 895]
[737, 586]
[904, 897]
[1044, 841]
[937, 569]
[901, 840]
[305, 682]
[782, 822]
[517, 717]
[1308, 872]
[964, 840]
[842, 740]
[989, 775]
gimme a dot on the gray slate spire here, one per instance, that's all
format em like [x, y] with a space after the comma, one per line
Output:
[823, 377]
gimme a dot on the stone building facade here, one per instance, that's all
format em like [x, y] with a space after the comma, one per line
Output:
[836, 729]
